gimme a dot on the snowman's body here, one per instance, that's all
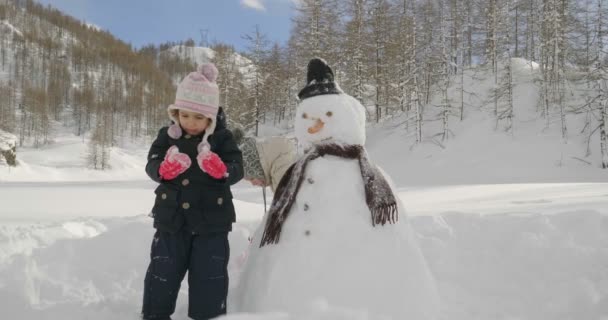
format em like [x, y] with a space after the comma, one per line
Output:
[329, 251]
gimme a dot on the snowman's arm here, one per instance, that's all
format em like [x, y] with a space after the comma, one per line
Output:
[277, 154]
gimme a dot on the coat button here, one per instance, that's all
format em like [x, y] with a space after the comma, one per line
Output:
[185, 182]
[306, 207]
[163, 196]
[187, 136]
[307, 232]
[186, 205]
[310, 180]
[220, 201]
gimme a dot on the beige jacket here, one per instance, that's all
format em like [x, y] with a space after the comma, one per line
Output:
[277, 154]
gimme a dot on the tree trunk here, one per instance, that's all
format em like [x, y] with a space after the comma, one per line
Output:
[603, 137]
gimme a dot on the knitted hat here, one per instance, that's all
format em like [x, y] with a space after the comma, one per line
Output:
[198, 93]
[319, 80]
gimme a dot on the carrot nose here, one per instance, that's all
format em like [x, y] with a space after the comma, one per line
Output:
[317, 127]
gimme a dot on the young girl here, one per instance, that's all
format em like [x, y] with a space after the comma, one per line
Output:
[195, 160]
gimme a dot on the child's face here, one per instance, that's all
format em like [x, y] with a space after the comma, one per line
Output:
[193, 123]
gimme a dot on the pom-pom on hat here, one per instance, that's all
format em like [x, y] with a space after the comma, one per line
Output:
[197, 92]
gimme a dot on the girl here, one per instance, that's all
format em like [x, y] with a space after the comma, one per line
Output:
[195, 160]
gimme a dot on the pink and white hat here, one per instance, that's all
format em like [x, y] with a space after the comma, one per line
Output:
[198, 93]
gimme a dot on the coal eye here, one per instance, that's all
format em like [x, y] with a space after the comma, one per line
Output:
[304, 115]
[329, 113]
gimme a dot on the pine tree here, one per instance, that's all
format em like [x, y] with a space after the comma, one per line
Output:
[7, 110]
[380, 37]
[98, 156]
[102, 136]
[445, 76]
[258, 50]
[603, 135]
[8, 149]
[274, 95]
[355, 48]
[602, 83]
[316, 30]
[58, 86]
[231, 82]
[35, 116]
[552, 60]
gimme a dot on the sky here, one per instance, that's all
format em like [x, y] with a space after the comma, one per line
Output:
[142, 22]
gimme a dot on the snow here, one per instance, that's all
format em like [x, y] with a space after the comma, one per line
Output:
[93, 26]
[65, 160]
[200, 55]
[7, 140]
[11, 27]
[529, 261]
[507, 198]
[477, 152]
[512, 226]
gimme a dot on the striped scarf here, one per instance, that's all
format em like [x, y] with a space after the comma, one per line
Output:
[378, 194]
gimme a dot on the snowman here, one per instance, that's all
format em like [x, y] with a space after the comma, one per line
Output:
[336, 234]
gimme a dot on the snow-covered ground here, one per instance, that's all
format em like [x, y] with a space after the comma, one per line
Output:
[74, 243]
[497, 251]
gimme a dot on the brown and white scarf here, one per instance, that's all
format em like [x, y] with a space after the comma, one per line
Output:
[378, 193]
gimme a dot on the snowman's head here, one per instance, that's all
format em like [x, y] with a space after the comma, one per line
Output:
[325, 114]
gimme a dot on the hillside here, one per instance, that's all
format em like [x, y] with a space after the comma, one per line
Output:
[477, 150]
[58, 72]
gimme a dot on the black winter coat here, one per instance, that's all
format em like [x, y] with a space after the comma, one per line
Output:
[194, 199]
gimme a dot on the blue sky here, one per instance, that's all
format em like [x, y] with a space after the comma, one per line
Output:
[156, 21]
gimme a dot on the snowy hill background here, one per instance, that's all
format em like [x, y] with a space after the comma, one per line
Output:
[474, 153]
[477, 150]
[511, 216]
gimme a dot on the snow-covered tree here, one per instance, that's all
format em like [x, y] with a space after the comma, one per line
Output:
[553, 50]
[355, 48]
[316, 31]
[230, 82]
[258, 50]
[380, 25]
[8, 149]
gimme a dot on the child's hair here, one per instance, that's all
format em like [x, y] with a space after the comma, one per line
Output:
[174, 113]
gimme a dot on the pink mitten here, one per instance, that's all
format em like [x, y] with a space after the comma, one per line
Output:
[211, 163]
[175, 163]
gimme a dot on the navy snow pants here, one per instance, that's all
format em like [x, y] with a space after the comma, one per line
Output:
[204, 257]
